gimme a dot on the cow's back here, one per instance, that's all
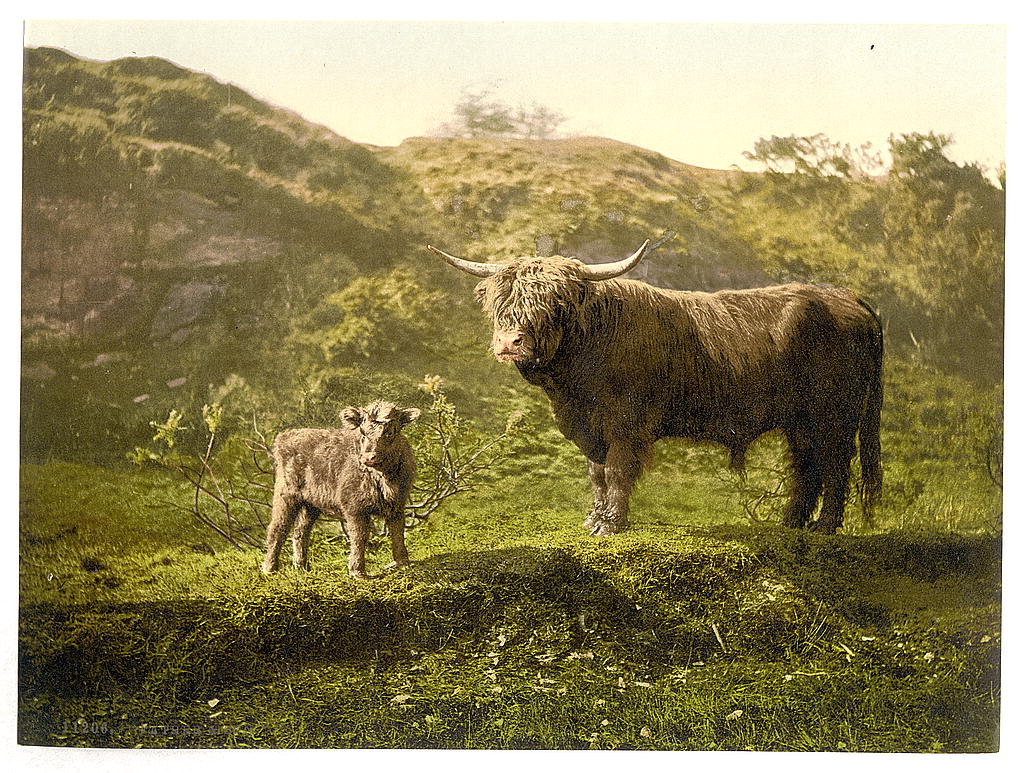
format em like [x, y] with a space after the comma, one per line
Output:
[767, 354]
[730, 365]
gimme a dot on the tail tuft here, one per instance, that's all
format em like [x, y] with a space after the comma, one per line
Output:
[870, 426]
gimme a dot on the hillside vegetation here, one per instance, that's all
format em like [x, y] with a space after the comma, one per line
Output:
[190, 252]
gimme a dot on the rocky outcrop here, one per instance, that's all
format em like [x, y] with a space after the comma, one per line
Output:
[184, 305]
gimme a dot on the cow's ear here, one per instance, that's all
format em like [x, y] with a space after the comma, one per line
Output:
[583, 294]
[480, 292]
[408, 415]
[353, 417]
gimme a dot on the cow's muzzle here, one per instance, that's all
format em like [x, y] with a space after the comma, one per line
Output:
[511, 356]
[510, 346]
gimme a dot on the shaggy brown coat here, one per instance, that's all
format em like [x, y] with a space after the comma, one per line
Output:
[624, 364]
[353, 474]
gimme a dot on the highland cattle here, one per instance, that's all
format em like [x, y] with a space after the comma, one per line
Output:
[624, 364]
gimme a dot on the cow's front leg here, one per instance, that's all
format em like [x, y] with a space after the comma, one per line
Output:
[623, 466]
[600, 486]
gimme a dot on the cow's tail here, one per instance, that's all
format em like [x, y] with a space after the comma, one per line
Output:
[870, 424]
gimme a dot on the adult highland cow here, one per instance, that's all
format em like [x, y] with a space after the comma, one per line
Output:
[624, 364]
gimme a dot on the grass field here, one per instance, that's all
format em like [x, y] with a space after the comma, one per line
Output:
[693, 630]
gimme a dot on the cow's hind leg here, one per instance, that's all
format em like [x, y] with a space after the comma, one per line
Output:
[623, 466]
[600, 486]
[300, 535]
[806, 487]
[836, 475]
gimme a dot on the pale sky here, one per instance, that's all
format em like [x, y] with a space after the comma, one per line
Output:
[698, 93]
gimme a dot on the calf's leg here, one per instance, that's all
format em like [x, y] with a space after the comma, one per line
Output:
[281, 519]
[396, 530]
[300, 535]
[358, 527]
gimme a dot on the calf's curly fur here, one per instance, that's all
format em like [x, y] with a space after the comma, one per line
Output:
[351, 474]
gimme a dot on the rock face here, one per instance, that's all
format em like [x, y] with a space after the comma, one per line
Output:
[114, 304]
[221, 249]
[184, 305]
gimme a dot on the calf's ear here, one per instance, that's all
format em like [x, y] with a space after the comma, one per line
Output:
[408, 415]
[353, 417]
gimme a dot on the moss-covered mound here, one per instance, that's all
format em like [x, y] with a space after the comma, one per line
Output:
[524, 647]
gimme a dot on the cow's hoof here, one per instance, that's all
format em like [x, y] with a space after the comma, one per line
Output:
[597, 515]
[359, 575]
[397, 565]
[605, 527]
[822, 528]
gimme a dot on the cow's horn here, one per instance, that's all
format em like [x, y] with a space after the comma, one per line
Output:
[469, 266]
[611, 270]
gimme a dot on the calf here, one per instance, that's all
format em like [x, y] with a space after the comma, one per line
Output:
[351, 474]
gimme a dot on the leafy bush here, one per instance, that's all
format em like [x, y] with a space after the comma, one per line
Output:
[478, 113]
[925, 245]
[231, 478]
[374, 317]
[69, 155]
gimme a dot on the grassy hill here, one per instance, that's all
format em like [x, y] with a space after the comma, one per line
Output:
[176, 227]
[513, 630]
[588, 197]
[187, 245]
[137, 169]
